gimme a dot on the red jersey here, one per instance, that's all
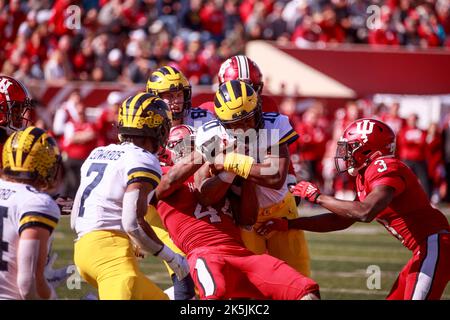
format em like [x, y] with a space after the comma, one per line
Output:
[191, 225]
[412, 144]
[410, 216]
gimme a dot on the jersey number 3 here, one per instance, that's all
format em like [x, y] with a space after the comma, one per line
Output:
[382, 164]
[100, 169]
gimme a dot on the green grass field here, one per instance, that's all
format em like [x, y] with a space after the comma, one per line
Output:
[339, 261]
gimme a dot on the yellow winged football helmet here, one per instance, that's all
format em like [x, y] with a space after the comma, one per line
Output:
[170, 79]
[31, 154]
[236, 100]
[145, 115]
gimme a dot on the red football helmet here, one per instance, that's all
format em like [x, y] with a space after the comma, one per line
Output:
[363, 141]
[180, 142]
[15, 101]
[244, 69]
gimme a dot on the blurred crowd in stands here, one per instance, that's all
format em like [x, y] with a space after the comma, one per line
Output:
[426, 152]
[124, 40]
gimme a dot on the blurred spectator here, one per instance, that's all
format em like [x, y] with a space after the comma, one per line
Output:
[392, 117]
[79, 139]
[412, 149]
[106, 124]
[435, 161]
[119, 39]
[310, 147]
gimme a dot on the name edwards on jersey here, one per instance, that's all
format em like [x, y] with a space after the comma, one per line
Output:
[101, 154]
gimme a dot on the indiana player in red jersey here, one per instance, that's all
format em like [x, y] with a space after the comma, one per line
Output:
[389, 192]
[15, 102]
[222, 268]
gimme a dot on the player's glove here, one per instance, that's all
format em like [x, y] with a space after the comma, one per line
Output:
[306, 190]
[177, 262]
[55, 277]
[273, 225]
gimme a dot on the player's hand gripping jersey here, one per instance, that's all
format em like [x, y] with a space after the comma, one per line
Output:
[105, 175]
[21, 206]
[409, 217]
[276, 131]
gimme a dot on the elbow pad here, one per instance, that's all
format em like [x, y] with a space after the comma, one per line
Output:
[132, 227]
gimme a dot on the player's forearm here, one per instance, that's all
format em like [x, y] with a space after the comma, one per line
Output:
[267, 175]
[356, 210]
[326, 222]
[178, 174]
[213, 190]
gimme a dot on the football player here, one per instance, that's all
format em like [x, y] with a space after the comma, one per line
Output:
[117, 182]
[389, 192]
[171, 85]
[238, 108]
[221, 266]
[15, 104]
[28, 215]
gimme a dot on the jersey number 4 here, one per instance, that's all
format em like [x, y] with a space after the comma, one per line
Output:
[99, 168]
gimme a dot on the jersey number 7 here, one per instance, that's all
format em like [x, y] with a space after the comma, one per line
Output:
[100, 169]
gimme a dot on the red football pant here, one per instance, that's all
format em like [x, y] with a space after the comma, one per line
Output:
[426, 275]
[224, 272]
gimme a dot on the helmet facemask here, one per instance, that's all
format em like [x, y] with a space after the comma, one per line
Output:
[13, 114]
[344, 159]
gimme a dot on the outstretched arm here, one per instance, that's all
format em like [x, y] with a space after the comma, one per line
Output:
[178, 174]
[326, 222]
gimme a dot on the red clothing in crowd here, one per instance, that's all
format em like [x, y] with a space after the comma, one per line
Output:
[107, 128]
[411, 144]
[311, 143]
[79, 151]
[385, 37]
[193, 67]
[435, 157]
[395, 122]
[212, 18]
[60, 14]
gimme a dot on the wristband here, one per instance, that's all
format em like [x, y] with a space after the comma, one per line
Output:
[238, 163]
[165, 253]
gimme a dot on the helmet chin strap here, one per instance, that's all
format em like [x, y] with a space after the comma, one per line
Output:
[354, 171]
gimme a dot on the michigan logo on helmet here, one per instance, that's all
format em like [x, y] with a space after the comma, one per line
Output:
[235, 101]
[170, 79]
[31, 154]
[363, 141]
[145, 115]
[14, 102]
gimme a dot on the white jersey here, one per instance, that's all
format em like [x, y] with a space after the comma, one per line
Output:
[197, 117]
[277, 130]
[105, 175]
[21, 207]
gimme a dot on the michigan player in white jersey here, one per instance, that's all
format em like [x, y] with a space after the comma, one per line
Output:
[238, 109]
[117, 182]
[171, 85]
[28, 215]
